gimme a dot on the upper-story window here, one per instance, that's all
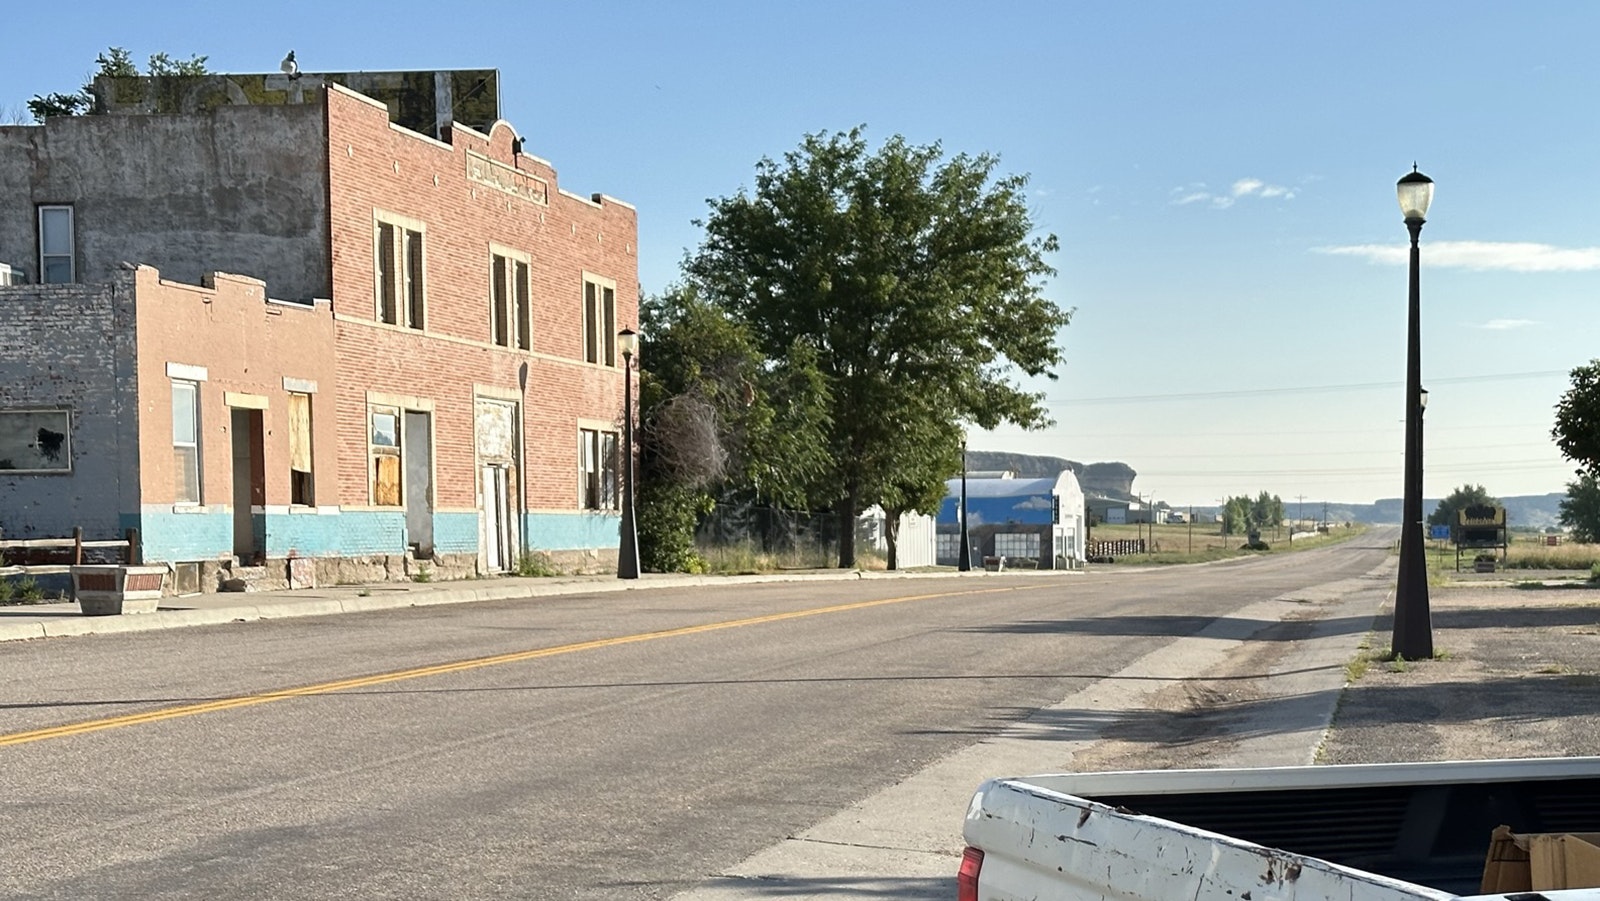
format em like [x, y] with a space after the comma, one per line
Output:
[599, 321]
[510, 304]
[401, 288]
[56, 256]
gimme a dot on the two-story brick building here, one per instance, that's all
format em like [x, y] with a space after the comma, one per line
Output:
[412, 356]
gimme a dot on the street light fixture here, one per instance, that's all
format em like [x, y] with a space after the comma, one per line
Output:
[628, 550]
[1413, 628]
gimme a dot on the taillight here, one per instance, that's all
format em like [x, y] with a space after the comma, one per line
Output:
[967, 878]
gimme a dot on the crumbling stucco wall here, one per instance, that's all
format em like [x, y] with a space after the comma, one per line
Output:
[239, 189]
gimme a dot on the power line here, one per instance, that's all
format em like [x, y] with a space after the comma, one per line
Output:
[1490, 466]
[1432, 449]
[1277, 432]
[1305, 389]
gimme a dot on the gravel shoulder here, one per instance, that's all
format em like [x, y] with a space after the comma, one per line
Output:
[1516, 674]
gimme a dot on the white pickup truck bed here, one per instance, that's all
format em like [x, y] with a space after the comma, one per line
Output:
[1385, 832]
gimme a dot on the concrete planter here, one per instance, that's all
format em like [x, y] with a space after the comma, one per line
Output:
[106, 590]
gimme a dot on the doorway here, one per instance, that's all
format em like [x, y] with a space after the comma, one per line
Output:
[419, 483]
[249, 486]
[498, 527]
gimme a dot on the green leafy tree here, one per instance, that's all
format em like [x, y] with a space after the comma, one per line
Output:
[716, 417]
[914, 281]
[1577, 427]
[1465, 496]
[1580, 509]
[116, 62]
[1266, 510]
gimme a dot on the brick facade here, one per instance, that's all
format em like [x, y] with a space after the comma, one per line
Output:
[468, 197]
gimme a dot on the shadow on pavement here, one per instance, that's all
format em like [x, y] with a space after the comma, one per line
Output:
[1178, 625]
[904, 888]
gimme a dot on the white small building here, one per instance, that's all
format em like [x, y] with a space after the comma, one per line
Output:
[916, 542]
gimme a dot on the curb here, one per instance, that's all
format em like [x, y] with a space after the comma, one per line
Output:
[398, 595]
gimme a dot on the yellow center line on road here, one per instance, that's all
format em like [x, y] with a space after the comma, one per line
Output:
[153, 716]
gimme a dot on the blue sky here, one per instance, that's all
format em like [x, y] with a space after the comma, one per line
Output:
[1221, 177]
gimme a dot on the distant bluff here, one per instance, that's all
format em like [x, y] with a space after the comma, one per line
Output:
[1109, 479]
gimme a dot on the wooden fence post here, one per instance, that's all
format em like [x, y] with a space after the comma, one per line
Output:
[77, 545]
[135, 555]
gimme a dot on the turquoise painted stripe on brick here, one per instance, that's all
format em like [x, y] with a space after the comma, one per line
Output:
[173, 537]
[571, 531]
[345, 534]
[455, 533]
[170, 537]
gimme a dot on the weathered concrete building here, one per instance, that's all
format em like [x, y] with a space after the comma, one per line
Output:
[414, 359]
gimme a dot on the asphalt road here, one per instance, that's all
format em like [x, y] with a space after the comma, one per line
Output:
[605, 746]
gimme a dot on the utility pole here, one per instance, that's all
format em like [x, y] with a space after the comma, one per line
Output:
[1191, 528]
[1302, 499]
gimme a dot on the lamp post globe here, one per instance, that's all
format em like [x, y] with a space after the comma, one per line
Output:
[1413, 628]
[628, 545]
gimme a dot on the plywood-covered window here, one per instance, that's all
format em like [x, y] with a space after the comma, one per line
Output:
[300, 480]
[384, 447]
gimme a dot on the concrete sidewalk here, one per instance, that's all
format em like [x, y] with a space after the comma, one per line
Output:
[61, 619]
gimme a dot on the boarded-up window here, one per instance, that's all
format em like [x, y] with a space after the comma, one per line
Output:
[599, 323]
[385, 452]
[499, 302]
[35, 441]
[608, 323]
[591, 324]
[524, 308]
[399, 275]
[414, 312]
[300, 486]
[388, 276]
[186, 442]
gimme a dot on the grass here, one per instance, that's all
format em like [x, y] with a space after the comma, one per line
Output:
[745, 558]
[423, 574]
[1524, 552]
[535, 565]
[25, 590]
[1357, 667]
[1178, 543]
[1530, 552]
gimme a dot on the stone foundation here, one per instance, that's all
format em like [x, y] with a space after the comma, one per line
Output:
[281, 573]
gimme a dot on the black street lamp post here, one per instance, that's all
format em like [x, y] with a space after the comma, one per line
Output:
[964, 555]
[1413, 629]
[628, 551]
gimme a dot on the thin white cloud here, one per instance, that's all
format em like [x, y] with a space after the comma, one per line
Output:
[1245, 187]
[1480, 256]
[1501, 325]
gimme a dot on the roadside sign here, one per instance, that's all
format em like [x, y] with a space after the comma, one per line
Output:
[1439, 533]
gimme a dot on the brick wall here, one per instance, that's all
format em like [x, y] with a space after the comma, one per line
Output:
[378, 168]
[63, 347]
